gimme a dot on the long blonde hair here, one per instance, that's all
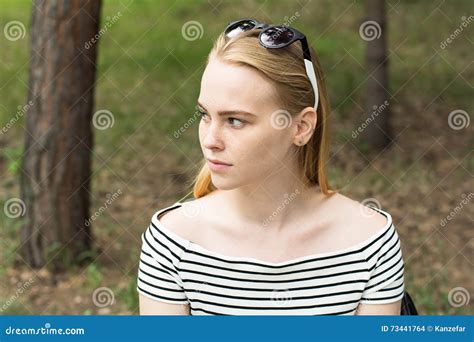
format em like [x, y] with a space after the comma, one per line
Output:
[285, 69]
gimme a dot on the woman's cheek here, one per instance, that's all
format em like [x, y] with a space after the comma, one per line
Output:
[258, 155]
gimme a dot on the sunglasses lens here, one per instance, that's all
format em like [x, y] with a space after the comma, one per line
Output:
[276, 36]
[239, 27]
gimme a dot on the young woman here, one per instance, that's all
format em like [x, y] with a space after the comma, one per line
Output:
[265, 235]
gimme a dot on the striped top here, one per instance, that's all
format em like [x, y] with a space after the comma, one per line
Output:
[175, 270]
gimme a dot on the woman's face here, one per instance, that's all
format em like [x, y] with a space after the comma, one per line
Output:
[255, 143]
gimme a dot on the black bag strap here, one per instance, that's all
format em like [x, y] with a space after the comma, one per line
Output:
[408, 306]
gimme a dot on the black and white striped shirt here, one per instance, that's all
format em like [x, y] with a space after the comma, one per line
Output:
[175, 270]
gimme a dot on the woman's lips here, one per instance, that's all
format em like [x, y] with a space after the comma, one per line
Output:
[217, 166]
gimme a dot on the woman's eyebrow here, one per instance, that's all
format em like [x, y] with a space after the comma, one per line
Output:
[228, 112]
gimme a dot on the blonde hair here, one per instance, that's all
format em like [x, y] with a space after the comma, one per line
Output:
[285, 69]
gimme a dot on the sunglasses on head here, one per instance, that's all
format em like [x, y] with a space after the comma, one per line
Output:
[276, 37]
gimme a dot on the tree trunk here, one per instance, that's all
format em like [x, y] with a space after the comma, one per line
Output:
[56, 167]
[378, 132]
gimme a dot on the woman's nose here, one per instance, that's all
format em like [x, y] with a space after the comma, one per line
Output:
[213, 137]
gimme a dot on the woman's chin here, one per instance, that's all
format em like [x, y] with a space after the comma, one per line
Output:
[221, 183]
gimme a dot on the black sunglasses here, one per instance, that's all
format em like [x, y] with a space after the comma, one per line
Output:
[276, 37]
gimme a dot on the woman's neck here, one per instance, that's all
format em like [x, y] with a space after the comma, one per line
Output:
[272, 204]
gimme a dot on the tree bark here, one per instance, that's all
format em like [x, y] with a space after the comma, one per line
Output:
[378, 133]
[56, 166]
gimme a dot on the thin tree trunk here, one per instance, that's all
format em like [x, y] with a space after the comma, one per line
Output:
[56, 168]
[378, 133]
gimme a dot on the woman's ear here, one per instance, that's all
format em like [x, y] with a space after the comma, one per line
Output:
[305, 125]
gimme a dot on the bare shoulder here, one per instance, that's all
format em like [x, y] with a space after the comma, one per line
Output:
[183, 219]
[362, 220]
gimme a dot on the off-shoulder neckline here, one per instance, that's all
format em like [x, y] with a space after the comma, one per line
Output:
[188, 243]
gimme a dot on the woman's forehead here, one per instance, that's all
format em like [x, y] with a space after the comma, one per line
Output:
[226, 86]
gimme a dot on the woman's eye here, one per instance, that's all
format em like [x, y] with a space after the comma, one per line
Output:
[236, 122]
[201, 114]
